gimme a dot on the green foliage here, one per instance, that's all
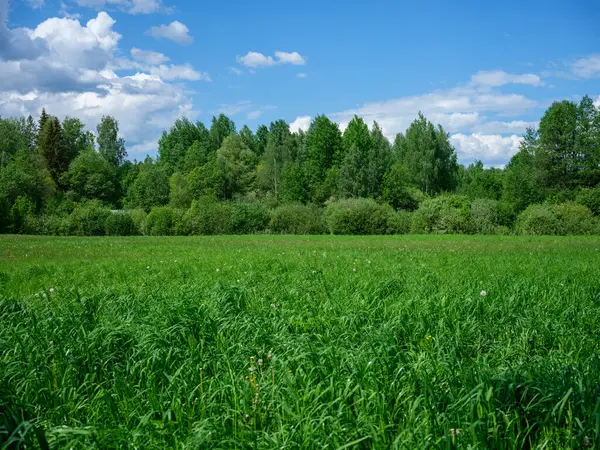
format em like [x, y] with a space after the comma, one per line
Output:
[21, 210]
[53, 148]
[220, 128]
[92, 177]
[164, 221]
[75, 138]
[138, 216]
[429, 156]
[180, 195]
[575, 219]
[556, 219]
[26, 175]
[206, 180]
[279, 152]
[397, 190]
[445, 214]
[248, 218]
[184, 146]
[110, 145]
[297, 219]
[538, 220]
[150, 188]
[399, 222]
[485, 216]
[478, 182]
[206, 216]
[120, 223]
[590, 198]
[236, 163]
[88, 219]
[357, 216]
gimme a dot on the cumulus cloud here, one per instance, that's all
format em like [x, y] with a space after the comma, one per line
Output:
[179, 72]
[301, 123]
[495, 78]
[493, 149]
[175, 31]
[256, 59]
[148, 56]
[74, 72]
[588, 67]
[234, 108]
[252, 115]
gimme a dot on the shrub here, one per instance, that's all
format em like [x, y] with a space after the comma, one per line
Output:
[54, 225]
[138, 216]
[484, 216]
[248, 218]
[297, 219]
[399, 222]
[357, 216]
[207, 217]
[443, 214]
[561, 219]
[120, 223]
[88, 219]
[20, 210]
[590, 198]
[164, 221]
[575, 219]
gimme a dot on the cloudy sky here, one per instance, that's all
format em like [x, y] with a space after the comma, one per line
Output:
[484, 70]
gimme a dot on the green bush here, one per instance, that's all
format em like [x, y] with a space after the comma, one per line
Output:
[138, 216]
[443, 214]
[485, 216]
[21, 209]
[88, 219]
[357, 216]
[590, 198]
[297, 219]
[164, 221]
[248, 218]
[575, 219]
[207, 217]
[120, 223]
[399, 222]
[561, 219]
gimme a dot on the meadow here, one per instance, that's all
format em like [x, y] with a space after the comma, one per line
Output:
[300, 342]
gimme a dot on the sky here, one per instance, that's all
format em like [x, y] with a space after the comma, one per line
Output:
[483, 70]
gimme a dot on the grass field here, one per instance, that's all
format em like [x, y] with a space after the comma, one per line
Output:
[298, 342]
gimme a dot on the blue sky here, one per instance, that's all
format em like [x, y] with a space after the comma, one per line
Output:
[484, 70]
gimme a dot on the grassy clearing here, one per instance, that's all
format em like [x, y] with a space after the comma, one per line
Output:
[298, 342]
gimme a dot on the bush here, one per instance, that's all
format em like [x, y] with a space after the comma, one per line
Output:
[590, 198]
[164, 221]
[297, 219]
[357, 216]
[120, 223]
[562, 219]
[575, 219]
[248, 218]
[88, 219]
[443, 214]
[485, 216]
[207, 217]
[399, 222]
[138, 216]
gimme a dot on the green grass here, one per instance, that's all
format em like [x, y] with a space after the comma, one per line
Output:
[375, 342]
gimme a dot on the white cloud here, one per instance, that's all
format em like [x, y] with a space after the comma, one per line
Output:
[588, 67]
[254, 114]
[148, 56]
[495, 78]
[513, 126]
[235, 70]
[145, 6]
[301, 123]
[35, 4]
[179, 72]
[290, 58]
[493, 149]
[175, 31]
[597, 102]
[256, 59]
[301, 75]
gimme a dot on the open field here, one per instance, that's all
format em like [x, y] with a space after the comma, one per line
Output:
[298, 342]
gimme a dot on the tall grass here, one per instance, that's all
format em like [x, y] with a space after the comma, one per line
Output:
[298, 342]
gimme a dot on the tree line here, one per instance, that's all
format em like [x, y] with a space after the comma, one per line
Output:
[49, 167]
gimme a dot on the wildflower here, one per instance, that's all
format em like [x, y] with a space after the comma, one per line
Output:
[52, 290]
[354, 269]
[269, 355]
[260, 362]
[455, 431]
[251, 369]
[273, 305]
[252, 360]
[428, 337]
[147, 267]
[483, 293]
[314, 271]
[238, 281]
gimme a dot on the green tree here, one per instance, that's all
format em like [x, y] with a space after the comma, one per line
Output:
[396, 188]
[478, 182]
[174, 145]
[352, 179]
[587, 144]
[220, 128]
[206, 180]
[379, 160]
[429, 156]
[92, 177]
[12, 139]
[110, 145]
[196, 155]
[75, 138]
[179, 192]
[53, 148]
[150, 188]
[237, 164]
[248, 138]
[279, 153]
[262, 136]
